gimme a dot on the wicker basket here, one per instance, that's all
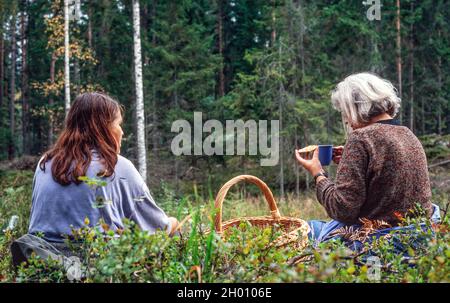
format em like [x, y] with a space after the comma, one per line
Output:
[295, 230]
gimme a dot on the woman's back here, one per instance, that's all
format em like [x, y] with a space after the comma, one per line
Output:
[56, 208]
[383, 170]
[397, 170]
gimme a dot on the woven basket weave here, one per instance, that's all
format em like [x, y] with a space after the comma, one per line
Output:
[295, 230]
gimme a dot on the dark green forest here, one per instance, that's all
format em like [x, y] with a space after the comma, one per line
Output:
[240, 59]
[249, 60]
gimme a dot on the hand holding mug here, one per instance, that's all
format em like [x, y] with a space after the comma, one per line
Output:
[313, 166]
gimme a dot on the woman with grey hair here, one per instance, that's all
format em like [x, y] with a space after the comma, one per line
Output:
[382, 171]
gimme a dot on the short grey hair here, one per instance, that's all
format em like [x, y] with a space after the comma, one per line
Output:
[360, 97]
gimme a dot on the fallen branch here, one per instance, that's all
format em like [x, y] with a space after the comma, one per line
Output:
[301, 258]
[439, 164]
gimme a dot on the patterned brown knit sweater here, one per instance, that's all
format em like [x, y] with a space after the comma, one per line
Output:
[383, 170]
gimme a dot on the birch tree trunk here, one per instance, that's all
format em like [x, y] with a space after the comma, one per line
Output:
[12, 92]
[66, 58]
[140, 117]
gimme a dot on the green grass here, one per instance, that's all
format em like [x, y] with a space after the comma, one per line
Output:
[244, 256]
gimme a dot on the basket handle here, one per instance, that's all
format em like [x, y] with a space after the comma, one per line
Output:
[248, 178]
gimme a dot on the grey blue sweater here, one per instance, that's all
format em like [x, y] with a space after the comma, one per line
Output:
[56, 208]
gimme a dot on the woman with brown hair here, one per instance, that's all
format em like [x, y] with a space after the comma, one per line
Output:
[89, 146]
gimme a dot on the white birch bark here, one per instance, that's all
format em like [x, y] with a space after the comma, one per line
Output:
[66, 58]
[140, 121]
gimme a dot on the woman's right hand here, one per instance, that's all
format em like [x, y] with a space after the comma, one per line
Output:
[337, 154]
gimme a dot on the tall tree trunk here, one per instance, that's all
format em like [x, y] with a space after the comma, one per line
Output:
[76, 66]
[274, 30]
[89, 27]
[12, 92]
[375, 53]
[297, 169]
[145, 26]
[280, 110]
[439, 74]
[140, 116]
[439, 96]
[399, 55]
[296, 36]
[280, 113]
[423, 116]
[302, 68]
[177, 169]
[155, 103]
[51, 101]
[76, 75]
[66, 58]
[2, 68]
[220, 35]
[25, 117]
[90, 69]
[411, 72]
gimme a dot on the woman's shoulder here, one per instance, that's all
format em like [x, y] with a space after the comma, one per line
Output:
[125, 168]
[123, 165]
[126, 174]
[124, 162]
[380, 131]
[375, 129]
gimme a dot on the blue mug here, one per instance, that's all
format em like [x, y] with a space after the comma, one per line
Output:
[325, 154]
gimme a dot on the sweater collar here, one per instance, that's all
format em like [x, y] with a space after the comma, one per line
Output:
[389, 121]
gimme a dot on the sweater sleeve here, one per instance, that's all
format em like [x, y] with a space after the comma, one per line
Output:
[147, 214]
[343, 199]
[137, 203]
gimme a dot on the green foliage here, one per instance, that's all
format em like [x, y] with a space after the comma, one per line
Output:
[436, 147]
[15, 192]
[243, 256]
[280, 59]
[132, 255]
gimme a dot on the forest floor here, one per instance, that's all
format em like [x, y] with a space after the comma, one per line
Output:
[245, 256]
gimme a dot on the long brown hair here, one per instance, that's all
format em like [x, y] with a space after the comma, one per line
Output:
[87, 127]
